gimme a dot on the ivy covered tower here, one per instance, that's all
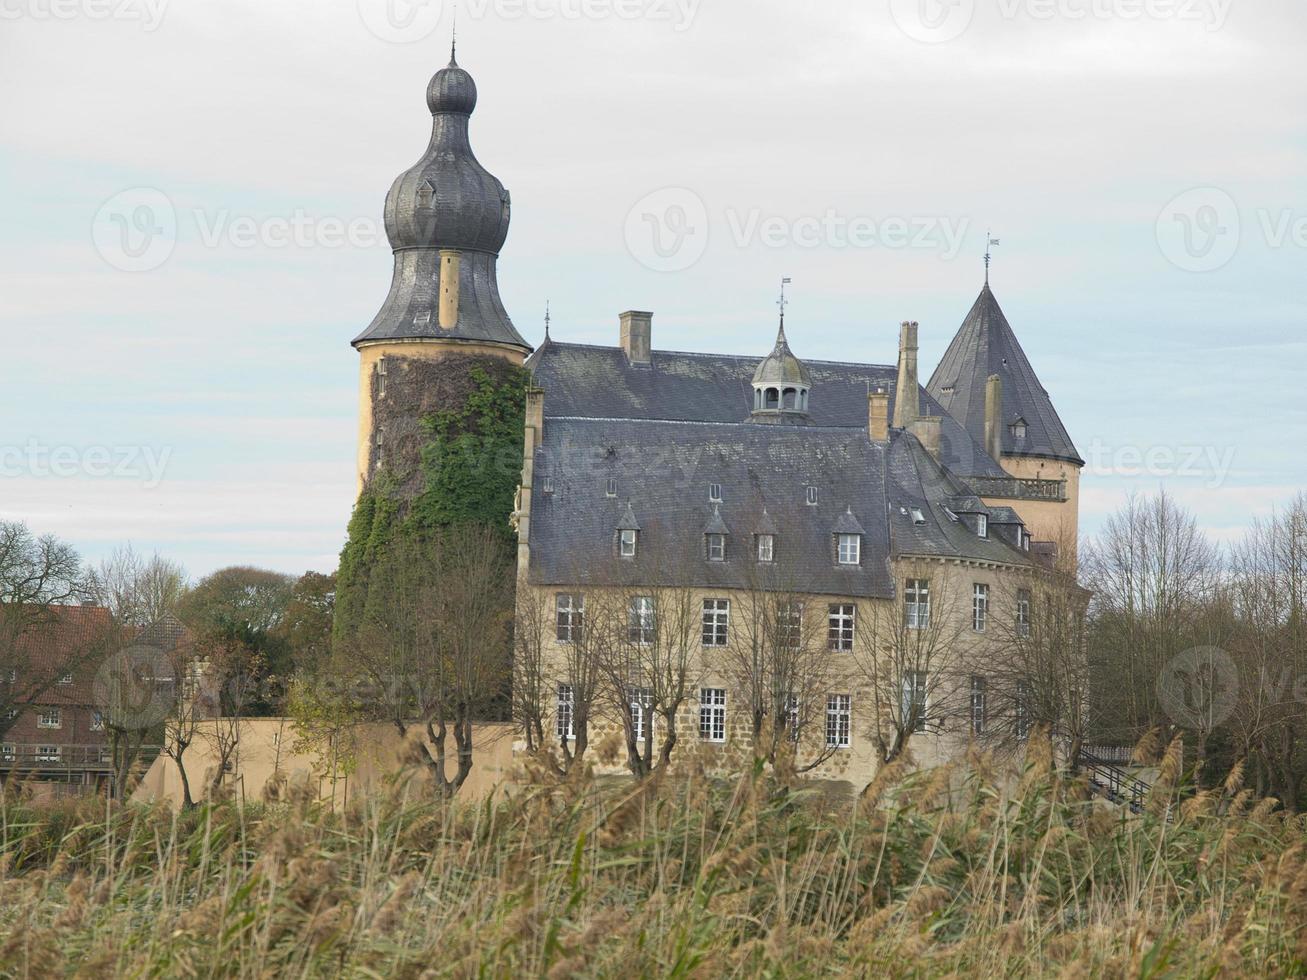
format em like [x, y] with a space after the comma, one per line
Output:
[443, 333]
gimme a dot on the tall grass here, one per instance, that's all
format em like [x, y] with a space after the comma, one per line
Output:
[943, 872]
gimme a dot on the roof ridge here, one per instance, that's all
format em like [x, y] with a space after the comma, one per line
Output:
[553, 342]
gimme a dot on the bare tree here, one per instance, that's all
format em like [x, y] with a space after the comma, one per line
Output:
[912, 654]
[138, 591]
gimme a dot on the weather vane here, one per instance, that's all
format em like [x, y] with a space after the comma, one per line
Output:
[990, 242]
[782, 302]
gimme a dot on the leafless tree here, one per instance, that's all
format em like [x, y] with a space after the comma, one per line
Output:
[138, 591]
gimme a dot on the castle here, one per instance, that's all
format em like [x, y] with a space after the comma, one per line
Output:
[722, 524]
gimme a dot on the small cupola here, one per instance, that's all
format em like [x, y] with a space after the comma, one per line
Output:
[781, 385]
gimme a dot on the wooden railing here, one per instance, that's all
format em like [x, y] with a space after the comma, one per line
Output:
[64, 759]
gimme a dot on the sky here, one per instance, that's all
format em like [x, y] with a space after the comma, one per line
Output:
[192, 198]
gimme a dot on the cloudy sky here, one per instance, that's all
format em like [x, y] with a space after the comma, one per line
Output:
[192, 196]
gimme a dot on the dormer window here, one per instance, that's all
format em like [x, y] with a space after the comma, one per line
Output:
[716, 547]
[422, 319]
[982, 526]
[812, 496]
[549, 485]
[917, 516]
[611, 490]
[1018, 429]
[424, 195]
[628, 540]
[714, 493]
[766, 548]
[850, 549]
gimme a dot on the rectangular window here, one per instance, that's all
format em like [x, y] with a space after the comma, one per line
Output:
[716, 622]
[715, 493]
[916, 603]
[50, 718]
[712, 714]
[563, 722]
[381, 377]
[48, 753]
[789, 625]
[642, 716]
[982, 525]
[628, 541]
[979, 693]
[914, 700]
[766, 547]
[1023, 612]
[571, 616]
[850, 549]
[642, 623]
[716, 547]
[979, 606]
[812, 496]
[839, 715]
[8, 753]
[611, 490]
[841, 627]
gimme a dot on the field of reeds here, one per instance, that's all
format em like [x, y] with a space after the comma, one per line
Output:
[969, 870]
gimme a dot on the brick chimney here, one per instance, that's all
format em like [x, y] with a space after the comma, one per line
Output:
[878, 415]
[907, 400]
[994, 416]
[927, 428]
[637, 336]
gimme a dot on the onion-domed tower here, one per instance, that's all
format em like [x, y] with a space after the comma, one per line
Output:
[781, 384]
[446, 218]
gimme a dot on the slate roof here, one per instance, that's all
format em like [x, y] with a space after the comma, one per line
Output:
[583, 381]
[986, 345]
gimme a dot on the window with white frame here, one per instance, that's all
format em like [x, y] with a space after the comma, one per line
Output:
[716, 622]
[566, 711]
[841, 626]
[916, 603]
[715, 493]
[611, 489]
[979, 606]
[716, 547]
[850, 549]
[8, 753]
[979, 704]
[627, 542]
[712, 714]
[97, 721]
[789, 624]
[642, 716]
[642, 622]
[812, 496]
[914, 700]
[766, 547]
[982, 525]
[1023, 612]
[50, 718]
[48, 753]
[381, 377]
[839, 718]
[570, 617]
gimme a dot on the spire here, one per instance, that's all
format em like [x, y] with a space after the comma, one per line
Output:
[546, 321]
[453, 40]
[990, 242]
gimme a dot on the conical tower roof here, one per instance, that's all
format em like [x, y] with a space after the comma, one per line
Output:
[781, 367]
[985, 345]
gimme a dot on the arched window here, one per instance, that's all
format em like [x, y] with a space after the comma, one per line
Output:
[773, 398]
[790, 398]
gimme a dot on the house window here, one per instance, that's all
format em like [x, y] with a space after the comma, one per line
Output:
[716, 622]
[548, 485]
[97, 721]
[839, 715]
[916, 604]
[48, 753]
[712, 714]
[766, 548]
[628, 542]
[789, 625]
[714, 493]
[563, 721]
[979, 693]
[979, 606]
[611, 489]
[642, 716]
[812, 496]
[1018, 430]
[424, 195]
[914, 700]
[50, 718]
[1021, 710]
[982, 525]
[1023, 612]
[850, 549]
[8, 753]
[571, 616]
[66, 679]
[381, 377]
[716, 547]
[917, 516]
[642, 624]
[841, 627]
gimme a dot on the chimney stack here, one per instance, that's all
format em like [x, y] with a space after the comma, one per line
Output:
[994, 416]
[928, 429]
[878, 415]
[907, 402]
[637, 336]
[451, 261]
